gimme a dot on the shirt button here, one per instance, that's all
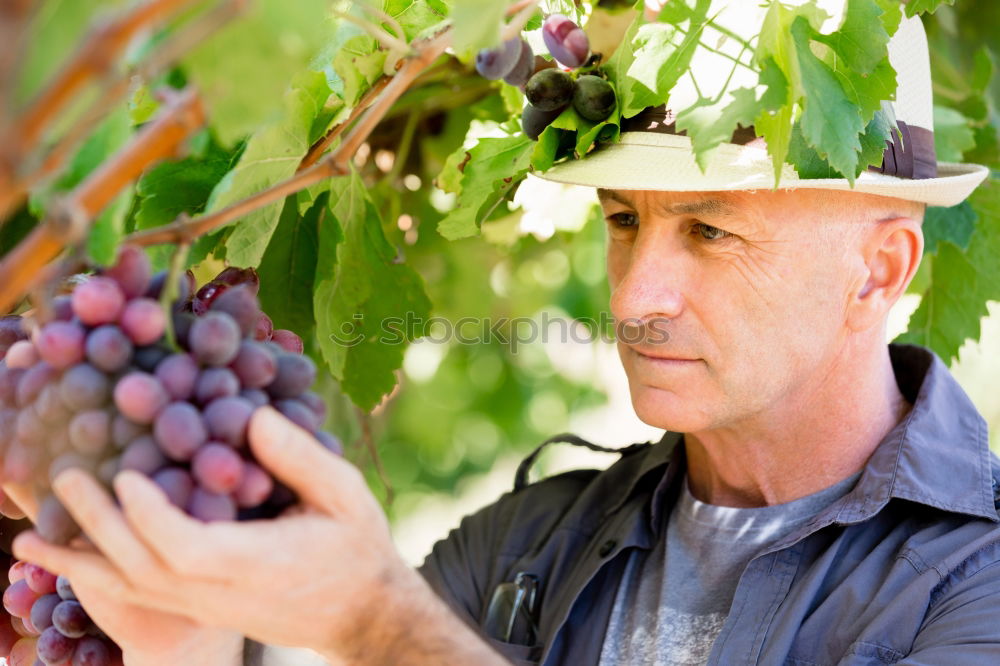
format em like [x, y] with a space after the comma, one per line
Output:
[607, 547]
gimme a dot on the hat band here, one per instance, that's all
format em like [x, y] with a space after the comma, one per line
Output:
[909, 154]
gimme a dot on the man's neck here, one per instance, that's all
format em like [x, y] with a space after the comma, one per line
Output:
[819, 435]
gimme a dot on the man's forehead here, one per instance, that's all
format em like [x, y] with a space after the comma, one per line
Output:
[716, 204]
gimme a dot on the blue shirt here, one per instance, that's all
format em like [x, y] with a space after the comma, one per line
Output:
[903, 569]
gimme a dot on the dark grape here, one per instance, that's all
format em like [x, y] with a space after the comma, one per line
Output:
[22, 355]
[497, 62]
[523, 68]
[182, 326]
[54, 523]
[214, 339]
[185, 286]
[227, 419]
[98, 301]
[287, 340]
[534, 120]
[208, 507]
[233, 276]
[109, 349]
[176, 484]
[41, 611]
[11, 330]
[147, 358]
[295, 375]
[91, 652]
[255, 486]
[71, 619]
[62, 307]
[214, 383]
[132, 271]
[263, 328]
[205, 296]
[144, 321]
[39, 580]
[298, 413]
[217, 468]
[594, 98]
[565, 40]
[64, 589]
[60, 344]
[255, 364]
[178, 373]
[142, 455]
[550, 89]
[19, 598]
[9, 380]
[241, 304]
[84, 387]
[180, 431]
[53, 647]
[140, 397]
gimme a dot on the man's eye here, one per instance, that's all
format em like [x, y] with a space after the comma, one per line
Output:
[709, 232]
[623, 220]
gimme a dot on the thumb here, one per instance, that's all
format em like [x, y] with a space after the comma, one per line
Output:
[319, 477]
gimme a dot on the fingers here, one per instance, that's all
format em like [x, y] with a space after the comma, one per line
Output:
[290, 453]
[23, 496]
[67, 562]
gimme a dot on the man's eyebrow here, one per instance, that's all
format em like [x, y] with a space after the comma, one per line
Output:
[706, 207]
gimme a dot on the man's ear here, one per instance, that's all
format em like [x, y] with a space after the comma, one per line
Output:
[891, 253]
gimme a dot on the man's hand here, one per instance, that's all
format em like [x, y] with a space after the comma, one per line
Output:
[324, 576]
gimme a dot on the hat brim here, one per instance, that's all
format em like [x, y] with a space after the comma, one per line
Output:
[665, 162]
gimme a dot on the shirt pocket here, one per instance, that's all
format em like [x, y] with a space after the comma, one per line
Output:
[519, 655]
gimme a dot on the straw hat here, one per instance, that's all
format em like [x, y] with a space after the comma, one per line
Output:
[650, 156]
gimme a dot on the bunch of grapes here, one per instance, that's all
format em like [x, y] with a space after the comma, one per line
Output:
[45, 625]
[101, 387]
[550, 90]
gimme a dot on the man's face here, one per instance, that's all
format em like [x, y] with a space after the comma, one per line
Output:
[750, 288]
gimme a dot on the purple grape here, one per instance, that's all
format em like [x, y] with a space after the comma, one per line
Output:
[64, 589]
[263, 328]
[214, 383]
[90, 431]
[32, 381]
[98, 301]
[178, 373]
[108, 469]
[240, 303]
[20, 461]
[296, 374]
[71, 619]
[255, 364]
[140, 397]
[60, 344]
[497, 62]
[22, 355]
[50, 407]
[565, 41]
[255, 486]
[208, 507]
[30, 429]
[132, 271]
[287, 340]
[9, 380]
[91, 651]
[19, 598]
[182, 326]
[142, 455]
[11, 330]
[298, 413]
[69, 460]
[109, 349]
[180, 431]
[330, 443]
[53, 647]
[62, 308]
[217, 468]
[185, 286]
[39, 580]
[84, 387]
[549, 90]
[124, 431]
[227, 420]
[147, 358]
[316, 404]
[523, 68]
[214, 339]
[255, 397]
[8, 425]
[144, 321]
[176, 484]
[54, 523]
[41, 611]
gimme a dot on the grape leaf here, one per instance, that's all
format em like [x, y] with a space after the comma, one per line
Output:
[952, 134]
[830, 122]
[961, 282]
[809, 164]
[914, 7]
[415, 16]
[861, 40]
[272, 155]
[288, 267]
[363, 296]
[955, 225]
[358, 62]
[476, 25]
[493, 164]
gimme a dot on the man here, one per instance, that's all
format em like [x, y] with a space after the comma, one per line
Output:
[819, 497]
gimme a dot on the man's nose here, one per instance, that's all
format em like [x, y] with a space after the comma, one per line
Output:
[650, 282]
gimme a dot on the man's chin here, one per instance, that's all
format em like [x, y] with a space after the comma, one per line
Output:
[662, 408]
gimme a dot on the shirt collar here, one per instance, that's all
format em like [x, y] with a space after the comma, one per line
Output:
[938, 455]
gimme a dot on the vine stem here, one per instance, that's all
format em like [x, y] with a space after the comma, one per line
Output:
[171, 290]
[365, 420]
[336, 163]
[70, 217]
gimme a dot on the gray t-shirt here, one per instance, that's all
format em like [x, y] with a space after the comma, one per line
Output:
[671, 604]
